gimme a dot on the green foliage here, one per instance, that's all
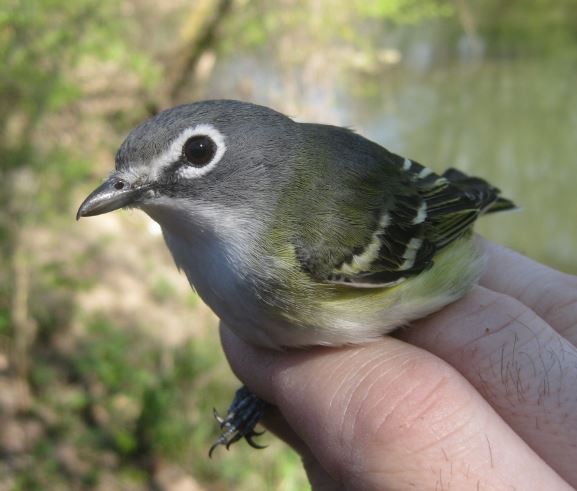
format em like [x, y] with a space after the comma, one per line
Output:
[4, 322]
[162, 289]
[541, 28]
[46, 466]
[159, 429]
[257, 23]
[39, 40]
[43, 44]
[119, 397]
[107, 361]
[404, 11]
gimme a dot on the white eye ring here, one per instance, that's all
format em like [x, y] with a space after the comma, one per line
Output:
[174, 152]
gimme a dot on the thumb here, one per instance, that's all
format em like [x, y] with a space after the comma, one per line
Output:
[390, 415]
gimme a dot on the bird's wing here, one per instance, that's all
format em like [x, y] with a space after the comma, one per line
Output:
[425, 213]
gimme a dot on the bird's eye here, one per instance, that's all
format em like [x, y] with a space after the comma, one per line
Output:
[199, 150]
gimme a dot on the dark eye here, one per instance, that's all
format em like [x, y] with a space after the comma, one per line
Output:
[199, 150]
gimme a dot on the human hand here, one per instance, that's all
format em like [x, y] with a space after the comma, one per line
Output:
[481, 395]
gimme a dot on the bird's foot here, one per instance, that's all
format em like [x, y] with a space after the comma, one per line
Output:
[241, 418]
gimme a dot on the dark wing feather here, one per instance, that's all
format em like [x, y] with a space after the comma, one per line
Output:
[420, 212]
[402, 248]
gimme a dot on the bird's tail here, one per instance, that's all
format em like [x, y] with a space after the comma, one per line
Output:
[482, 189]
[501, 204]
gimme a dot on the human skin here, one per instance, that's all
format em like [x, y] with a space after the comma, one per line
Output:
[481, 395]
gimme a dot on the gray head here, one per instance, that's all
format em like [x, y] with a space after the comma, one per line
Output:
[202, 156]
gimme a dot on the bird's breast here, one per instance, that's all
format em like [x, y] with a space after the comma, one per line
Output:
[226, 287]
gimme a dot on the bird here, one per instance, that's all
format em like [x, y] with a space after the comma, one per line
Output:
[298, 234]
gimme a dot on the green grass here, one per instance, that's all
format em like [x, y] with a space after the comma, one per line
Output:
[126, 405]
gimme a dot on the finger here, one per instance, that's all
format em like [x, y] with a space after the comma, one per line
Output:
[318, 476]
[551, 294]
[275, 422]
[390, 416]
[524, 368]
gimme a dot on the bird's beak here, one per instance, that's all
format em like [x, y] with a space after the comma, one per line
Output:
[112, 194]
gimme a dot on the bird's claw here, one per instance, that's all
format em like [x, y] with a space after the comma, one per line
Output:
[241, 418]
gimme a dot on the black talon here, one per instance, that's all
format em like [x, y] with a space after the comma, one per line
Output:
[216, 444]
[252, 443]
[241, 418]
[217, 416]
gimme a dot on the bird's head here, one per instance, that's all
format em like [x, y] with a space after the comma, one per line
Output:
[198, 158]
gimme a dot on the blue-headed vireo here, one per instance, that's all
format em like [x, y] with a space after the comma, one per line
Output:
[298, 234]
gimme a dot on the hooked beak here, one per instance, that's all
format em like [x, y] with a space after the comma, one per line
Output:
[112, 194]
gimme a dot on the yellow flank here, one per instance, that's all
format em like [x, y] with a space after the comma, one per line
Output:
[456, 269]
[337, 314]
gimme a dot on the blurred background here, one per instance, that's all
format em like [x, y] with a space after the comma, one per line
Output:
[109, 365]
